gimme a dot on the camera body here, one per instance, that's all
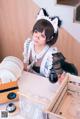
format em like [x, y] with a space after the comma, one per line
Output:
[53, 78]
[8, 92]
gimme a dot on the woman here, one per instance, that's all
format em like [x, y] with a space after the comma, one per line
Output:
[38, 50]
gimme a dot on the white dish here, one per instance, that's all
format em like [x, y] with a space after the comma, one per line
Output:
[6, 76]
[15, 60]
[12, 67]
[13, 64]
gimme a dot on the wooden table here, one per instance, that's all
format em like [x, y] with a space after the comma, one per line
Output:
[36, 88]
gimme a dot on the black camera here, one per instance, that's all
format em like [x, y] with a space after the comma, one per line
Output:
[53, 78]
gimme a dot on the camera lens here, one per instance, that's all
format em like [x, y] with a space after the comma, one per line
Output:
[53, 78]
[11, 95]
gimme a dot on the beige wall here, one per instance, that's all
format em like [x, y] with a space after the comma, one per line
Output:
[16, 20]
[69, 47]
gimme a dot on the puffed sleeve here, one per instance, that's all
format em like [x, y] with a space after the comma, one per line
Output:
[25, 51]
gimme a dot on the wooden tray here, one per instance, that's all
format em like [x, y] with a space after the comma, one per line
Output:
[65, 105]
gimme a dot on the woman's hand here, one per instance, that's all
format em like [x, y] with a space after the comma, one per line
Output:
[25, 67]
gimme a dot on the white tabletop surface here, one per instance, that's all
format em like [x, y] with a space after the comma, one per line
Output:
[36, 88]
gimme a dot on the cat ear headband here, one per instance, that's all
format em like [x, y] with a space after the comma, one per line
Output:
[44, 15]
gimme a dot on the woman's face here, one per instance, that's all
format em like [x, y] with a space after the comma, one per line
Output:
[39, 38]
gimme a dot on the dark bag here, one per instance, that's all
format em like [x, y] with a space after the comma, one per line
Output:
[58, 58]
[69, 67]
[60, 65]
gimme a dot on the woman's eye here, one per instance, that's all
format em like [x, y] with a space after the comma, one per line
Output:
[42, 35]
[35, 31]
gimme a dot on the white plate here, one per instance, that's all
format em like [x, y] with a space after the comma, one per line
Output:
[12, 67]
[6, 76]
[15, 60]
[13, 64]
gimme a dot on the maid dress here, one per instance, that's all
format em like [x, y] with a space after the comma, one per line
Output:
[40, 63]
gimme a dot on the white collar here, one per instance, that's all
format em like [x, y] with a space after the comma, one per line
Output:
[37, 56]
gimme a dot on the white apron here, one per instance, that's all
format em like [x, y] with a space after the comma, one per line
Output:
[46, 63]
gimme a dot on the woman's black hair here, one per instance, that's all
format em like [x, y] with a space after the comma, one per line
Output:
[44, 25]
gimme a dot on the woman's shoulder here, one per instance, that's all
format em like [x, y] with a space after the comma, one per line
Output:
[53, 50]
[48, 56]
[27, 41]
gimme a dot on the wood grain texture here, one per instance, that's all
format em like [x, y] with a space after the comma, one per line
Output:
[16, 20]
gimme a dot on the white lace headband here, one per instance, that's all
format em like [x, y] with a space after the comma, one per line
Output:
[54, 22]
